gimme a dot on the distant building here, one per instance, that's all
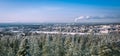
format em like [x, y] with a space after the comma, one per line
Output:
[104, 31]
[1, 29]
[106, 27]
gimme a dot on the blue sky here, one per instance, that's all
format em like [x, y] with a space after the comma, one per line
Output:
[39, 11]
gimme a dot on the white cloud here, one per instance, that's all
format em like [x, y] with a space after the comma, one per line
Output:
[82, 17]
[86, 18]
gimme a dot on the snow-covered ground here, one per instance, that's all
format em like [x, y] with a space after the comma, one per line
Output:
[54, 32]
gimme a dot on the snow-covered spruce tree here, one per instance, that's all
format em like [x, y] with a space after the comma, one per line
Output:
[46, 47]
[59, 46]
[24, 48]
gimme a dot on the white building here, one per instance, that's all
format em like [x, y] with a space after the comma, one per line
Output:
[106, 26]
[104, 31]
